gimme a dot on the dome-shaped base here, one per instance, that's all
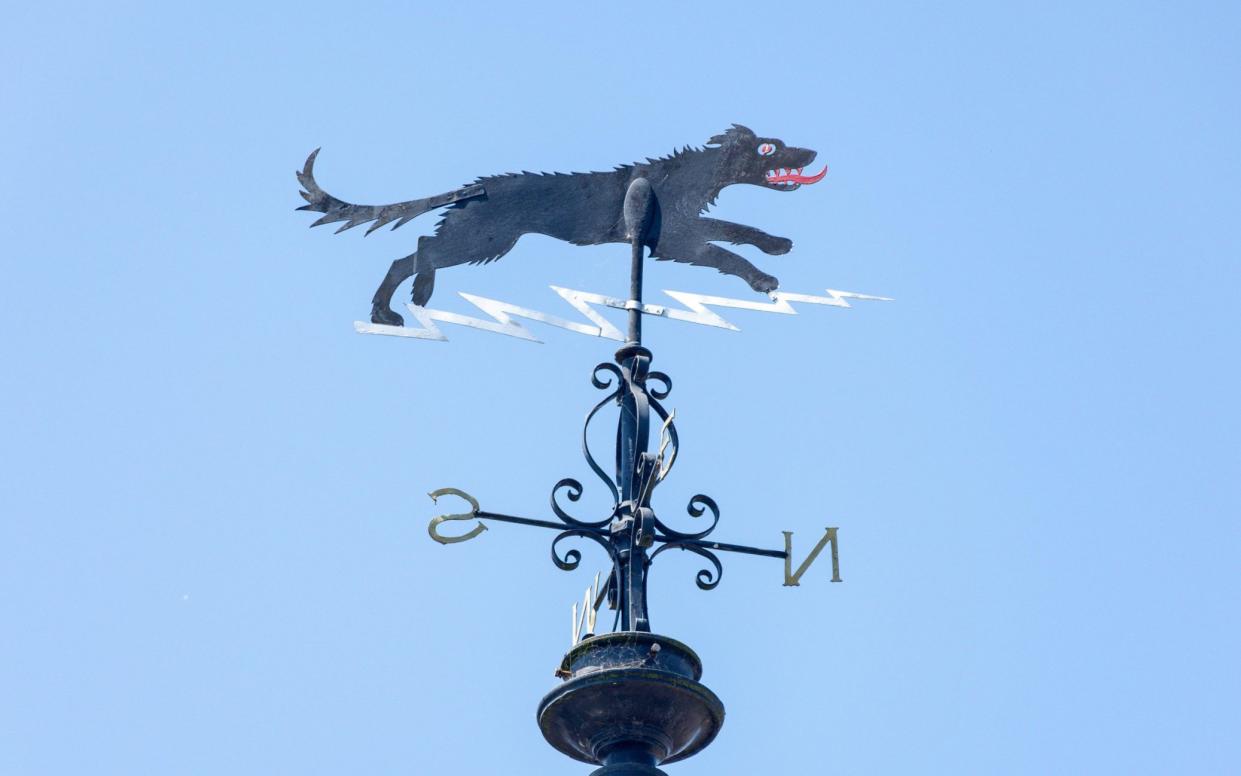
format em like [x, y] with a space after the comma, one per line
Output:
[631, 702]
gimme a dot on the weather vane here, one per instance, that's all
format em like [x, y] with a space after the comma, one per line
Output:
[630, 700]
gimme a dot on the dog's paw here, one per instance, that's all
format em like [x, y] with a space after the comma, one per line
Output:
[778, 246]
[764, 284]
[381, 314]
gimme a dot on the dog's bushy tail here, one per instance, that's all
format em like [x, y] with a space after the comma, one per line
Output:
[333, 209]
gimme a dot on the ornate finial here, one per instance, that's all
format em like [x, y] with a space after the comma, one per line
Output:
[631, 700]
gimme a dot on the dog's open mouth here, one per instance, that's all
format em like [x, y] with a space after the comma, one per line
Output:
[791, 178]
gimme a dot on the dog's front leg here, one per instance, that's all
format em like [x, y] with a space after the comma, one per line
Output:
[708, 255]
[739, 234]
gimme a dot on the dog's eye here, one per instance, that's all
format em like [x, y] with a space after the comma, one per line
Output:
[766, 149]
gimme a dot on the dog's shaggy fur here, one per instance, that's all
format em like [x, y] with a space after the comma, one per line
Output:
[483, 221]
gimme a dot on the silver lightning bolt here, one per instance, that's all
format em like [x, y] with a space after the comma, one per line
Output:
[697, 310]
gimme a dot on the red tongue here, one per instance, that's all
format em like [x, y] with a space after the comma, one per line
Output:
[802, 179]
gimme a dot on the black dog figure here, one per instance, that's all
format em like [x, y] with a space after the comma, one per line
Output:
[484, 220]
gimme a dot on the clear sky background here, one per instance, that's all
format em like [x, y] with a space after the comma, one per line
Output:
[212, 491]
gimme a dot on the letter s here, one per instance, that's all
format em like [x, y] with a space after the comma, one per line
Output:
[435, 521]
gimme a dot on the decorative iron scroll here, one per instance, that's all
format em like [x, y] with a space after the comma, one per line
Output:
[631, 526]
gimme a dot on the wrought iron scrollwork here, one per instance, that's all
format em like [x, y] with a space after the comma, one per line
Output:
[699, 505]
[631, 533]
[605, 382]
[590, 458]
[573, 557]
[574, 493]
[663, 378]
[706, 579]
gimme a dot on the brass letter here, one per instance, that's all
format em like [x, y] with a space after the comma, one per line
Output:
[590, 611]
[791, 579]
[435, 521]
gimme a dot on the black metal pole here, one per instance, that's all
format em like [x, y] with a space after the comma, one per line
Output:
[635, 291]
[639, 216]
[631, 699]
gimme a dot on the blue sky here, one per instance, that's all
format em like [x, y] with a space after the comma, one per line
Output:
[212, 497]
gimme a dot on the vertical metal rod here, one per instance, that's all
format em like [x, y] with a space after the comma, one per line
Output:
[635, 289]
[639, 218]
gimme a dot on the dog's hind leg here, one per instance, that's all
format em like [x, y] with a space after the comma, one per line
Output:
[424, 267]
[424, 285]
[381, 310]
[709, 255]
[456, 243]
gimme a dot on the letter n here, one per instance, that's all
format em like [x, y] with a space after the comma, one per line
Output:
[791, 578]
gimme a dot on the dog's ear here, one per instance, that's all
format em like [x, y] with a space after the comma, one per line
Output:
[733, 132]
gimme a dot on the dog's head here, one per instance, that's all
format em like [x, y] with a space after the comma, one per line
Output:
[763, 161]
